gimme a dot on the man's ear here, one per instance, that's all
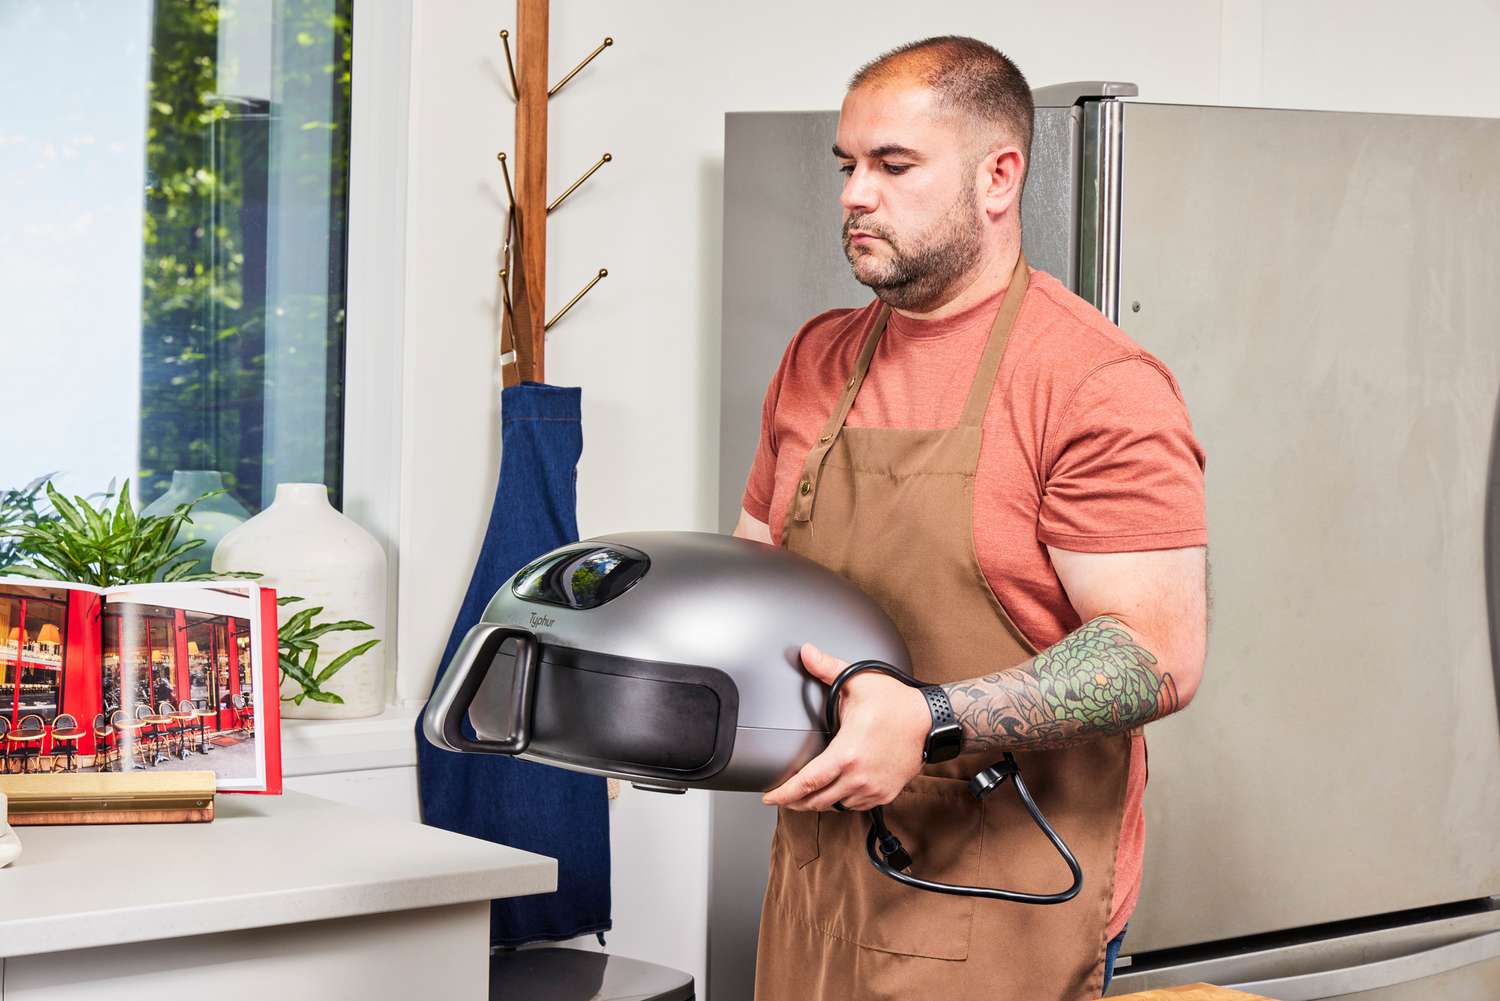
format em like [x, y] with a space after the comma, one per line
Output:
[1001, 172]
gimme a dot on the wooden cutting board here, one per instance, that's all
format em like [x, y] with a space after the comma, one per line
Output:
[1191, 992]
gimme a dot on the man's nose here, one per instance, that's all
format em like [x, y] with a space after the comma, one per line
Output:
[859, 194]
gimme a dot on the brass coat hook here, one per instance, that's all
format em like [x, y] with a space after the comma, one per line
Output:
[510, 232]
[573, 301]
[510, 215]
[515, 88]
[509, 191]
[606, 158]
[587, 59]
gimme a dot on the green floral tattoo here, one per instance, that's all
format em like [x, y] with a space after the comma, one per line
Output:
[1096, 680]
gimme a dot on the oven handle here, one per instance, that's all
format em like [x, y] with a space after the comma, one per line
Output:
[448, 709]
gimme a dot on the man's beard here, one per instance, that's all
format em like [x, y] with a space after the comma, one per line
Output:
[915, 279]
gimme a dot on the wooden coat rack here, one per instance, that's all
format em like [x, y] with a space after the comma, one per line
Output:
[523, 322]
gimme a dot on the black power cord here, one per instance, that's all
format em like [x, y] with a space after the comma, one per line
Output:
[885, 850]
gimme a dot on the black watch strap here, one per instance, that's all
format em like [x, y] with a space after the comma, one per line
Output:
[945, 739]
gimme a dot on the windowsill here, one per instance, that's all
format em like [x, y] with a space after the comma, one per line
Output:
[319, 746]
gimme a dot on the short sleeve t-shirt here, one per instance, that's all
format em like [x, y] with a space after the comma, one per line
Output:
[1087, 446]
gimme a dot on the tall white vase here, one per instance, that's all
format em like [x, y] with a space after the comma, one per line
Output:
[303, 546]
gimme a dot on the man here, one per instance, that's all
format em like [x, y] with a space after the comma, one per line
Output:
[1017, 483]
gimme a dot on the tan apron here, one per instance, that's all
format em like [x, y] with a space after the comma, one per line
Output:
[891, 510]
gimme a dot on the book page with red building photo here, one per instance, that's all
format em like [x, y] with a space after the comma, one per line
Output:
[146, 676]
[196, 664]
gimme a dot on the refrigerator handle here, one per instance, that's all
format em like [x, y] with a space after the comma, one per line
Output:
[1375, 976]
[1099, 201]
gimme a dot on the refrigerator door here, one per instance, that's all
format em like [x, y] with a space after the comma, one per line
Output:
[1324, 287]
[1464, 971]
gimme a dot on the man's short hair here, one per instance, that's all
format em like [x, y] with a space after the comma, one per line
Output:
[969, 77]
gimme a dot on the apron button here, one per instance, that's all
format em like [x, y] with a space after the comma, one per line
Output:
[805, 488]
[825, 439]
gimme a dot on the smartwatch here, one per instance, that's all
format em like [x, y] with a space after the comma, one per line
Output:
[945, 739]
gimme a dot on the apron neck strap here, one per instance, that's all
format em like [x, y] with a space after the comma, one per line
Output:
[801, 505]
[856, 379]
[989, 362]
[994, 347]
[800, 508]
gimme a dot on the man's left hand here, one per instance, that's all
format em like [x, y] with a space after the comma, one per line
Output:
[883, 725]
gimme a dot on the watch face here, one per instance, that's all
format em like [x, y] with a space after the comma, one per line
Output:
[943, 743]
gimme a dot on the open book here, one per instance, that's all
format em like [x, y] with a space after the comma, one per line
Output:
[141, 676]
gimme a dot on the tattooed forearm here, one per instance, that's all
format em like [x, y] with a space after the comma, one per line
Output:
[1096, 680]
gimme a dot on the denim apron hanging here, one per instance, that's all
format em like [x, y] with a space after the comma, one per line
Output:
[538, 808]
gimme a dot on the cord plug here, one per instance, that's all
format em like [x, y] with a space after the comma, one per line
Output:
[993, 777]
[895, 856]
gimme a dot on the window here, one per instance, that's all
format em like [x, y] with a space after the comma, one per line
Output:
[174, 182]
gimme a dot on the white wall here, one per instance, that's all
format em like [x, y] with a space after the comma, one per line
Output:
[644, 344]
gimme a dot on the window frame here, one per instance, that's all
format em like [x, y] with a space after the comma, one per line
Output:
[374, 340]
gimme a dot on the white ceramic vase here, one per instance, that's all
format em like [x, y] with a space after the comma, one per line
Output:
[212, 520]
[303, 546]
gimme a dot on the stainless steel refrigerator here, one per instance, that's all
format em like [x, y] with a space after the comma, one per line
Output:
[1324, 819]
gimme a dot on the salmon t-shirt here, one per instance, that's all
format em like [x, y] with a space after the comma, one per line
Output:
[1090, 450]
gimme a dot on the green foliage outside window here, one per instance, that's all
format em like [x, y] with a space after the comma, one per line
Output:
[210, 179]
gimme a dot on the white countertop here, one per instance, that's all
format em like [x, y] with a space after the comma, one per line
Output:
[264, 860]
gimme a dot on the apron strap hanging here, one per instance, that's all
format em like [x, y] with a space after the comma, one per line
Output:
[994, 348]
[807, 487]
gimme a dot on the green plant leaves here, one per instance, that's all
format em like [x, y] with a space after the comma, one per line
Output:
[343, 659]
[124, 516]
[296, 639]
[104, 546]
[35, 573]
[18, 507]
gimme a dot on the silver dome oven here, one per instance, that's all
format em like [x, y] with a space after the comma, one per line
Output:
[670, 659]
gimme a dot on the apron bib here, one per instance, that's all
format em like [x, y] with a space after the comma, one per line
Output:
[891, 509]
